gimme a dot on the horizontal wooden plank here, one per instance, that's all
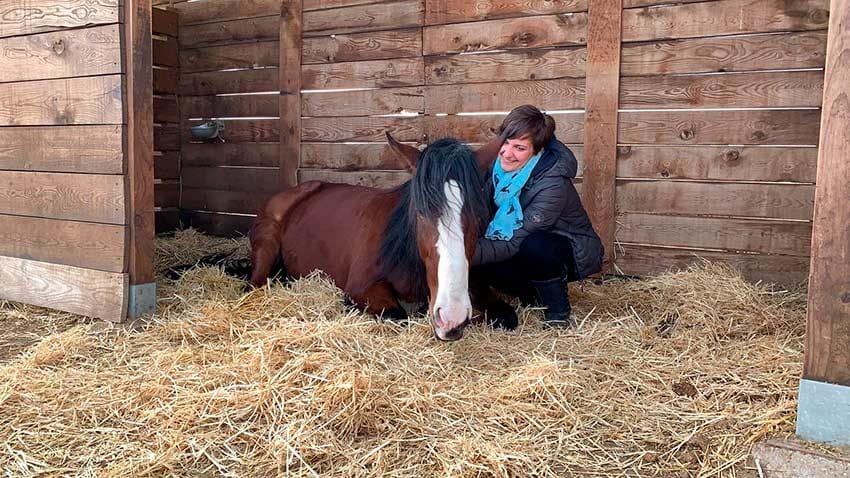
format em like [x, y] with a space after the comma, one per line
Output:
[165, 52]
[74, 149]
[242, 131]
[221, 10]
[166, 109]
[508, 66]
[81, 244]
[75, 197]
[363, 103]
[771, 237]
[165, 81]
[361, 129]
[529, 32]
[769, 51]
[364, 74]
[569, 128]
[230, 32]
[218, 224]
[349, 157]
[647, 3]
[253, 180]
[362, 46]
[561, 94]
[361, 18]
[88, 100]
[226, 82]
[166, 220]
[646, 261]
[779, 201]
[166, 138]
[36, 16]
[718, 162]
[167, 165]
[72, 289]
[229, 106]
[795, 127]
[723, 17]
[323, 4]
[243, 202]
[164, 22]
[230, 154]
[167, 194]
[785, 89]
[372, 179]
[90, 51]
[244, 55]
[453, 11]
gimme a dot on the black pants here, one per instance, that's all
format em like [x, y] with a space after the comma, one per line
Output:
[541, 256]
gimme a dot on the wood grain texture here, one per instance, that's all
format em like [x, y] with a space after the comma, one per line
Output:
[229, 154]
[828, 324]
[364, 74]
[765, 127]
[485, 97]
[244, 55]
[80, 291]
[165, 22]
[165, 52]
[241, 202]
[325, 4]
[349, 157]
[601, 113]
[23, 17]
[779, 201]
[291, 100]
[772, 51]
[231, 32]
[380, 45]
[361, 129]
[384, 16]
[252, 180]
[73, 149]
[510, 66]
[529, 32]
[81, 244]
[771, 237]
[639, 260]
[90, 51]
[729, 163]
[88, 100]
[243, 131]
[225, 82]
[453, 11]
[372, 179]
[364, 103]
[221, 10]
[569, 128]
[724, 17]
[229, 106]
[76, 197]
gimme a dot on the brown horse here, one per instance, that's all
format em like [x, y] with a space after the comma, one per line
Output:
[384, 245]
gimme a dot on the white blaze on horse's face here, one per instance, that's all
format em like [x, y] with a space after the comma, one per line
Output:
[452, 306]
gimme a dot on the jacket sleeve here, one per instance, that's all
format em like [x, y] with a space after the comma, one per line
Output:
[539, 215]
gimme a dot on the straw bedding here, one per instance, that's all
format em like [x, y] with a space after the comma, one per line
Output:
[674, 376]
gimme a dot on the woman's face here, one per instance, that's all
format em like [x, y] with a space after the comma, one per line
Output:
[516, 152]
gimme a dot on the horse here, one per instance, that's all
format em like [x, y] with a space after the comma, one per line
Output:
[410, 243]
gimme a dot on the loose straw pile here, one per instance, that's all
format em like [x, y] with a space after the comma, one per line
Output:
[674, 376]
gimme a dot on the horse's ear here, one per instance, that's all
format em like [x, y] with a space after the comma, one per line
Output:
[487, 153]
[408, 154]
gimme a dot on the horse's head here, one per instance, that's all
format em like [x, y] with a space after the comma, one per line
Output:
[446, 212]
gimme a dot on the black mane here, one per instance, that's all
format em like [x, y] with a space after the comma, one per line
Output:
[423, 196]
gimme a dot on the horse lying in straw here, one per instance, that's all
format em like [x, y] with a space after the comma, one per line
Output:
[380, 246]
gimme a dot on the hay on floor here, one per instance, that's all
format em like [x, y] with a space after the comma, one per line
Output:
[673, 376]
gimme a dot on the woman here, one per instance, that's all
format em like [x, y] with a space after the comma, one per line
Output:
[539, 236]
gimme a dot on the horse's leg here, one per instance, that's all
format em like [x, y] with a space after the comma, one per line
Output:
[380, 299]
[265, 249]
[487, 306]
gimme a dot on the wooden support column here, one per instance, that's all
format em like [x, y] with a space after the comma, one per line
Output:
[600, 129]
[290, 91]
[824, 402]
[138, 154]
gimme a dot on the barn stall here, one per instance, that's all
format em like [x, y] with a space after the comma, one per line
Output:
[702, 120]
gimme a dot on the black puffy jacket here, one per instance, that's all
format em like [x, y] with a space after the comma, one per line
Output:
[550, 203]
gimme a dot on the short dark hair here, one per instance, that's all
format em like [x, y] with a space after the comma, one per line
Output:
[528, 120]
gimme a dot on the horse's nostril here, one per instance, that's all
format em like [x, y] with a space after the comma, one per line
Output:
[438, 319]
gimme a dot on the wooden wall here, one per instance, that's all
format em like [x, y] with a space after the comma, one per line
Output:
[63, 191]
[166, 116]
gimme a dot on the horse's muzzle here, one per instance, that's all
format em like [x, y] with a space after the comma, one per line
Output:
[447, 336]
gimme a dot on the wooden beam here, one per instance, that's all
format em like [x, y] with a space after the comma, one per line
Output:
[602, 93]
[290, 90]
[139, 156]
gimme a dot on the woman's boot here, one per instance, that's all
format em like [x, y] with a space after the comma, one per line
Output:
[553, 295]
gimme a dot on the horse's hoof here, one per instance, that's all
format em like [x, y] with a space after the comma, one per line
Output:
[501, 316]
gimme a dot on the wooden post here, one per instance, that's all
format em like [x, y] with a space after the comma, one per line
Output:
[824, 402]
[138, 155]
[600, 128]
[290, 91]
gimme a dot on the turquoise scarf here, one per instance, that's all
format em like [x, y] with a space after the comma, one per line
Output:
[508, 216]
